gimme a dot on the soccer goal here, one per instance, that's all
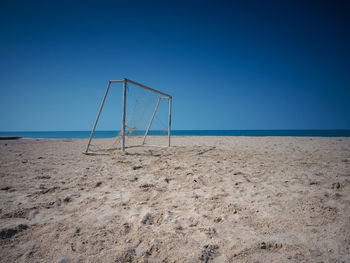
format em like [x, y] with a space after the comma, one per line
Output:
[145, 118]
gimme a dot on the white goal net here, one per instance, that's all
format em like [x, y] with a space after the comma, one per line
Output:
[130, 115]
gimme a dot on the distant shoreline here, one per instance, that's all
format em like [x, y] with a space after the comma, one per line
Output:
[10, 137]
[110, 134]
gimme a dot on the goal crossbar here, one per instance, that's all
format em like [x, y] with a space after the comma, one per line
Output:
[125, 81]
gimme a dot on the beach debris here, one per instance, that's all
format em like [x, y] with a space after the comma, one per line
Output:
[208, 252]
[98, 184]
[77, 232]
[263, 245]
[72, 246]
[193, 224]
[6, 188]
[270, 245]
[178, 228]
[146, 186]
[147, 220]
[218, 219]
[207, 150]
[67, 199]
[336, 185]
[10, 232]
[166, 180]
[40, 157]
[313, 183]
[43, 177]
[24, 161]
[7, 233]
[137, 167]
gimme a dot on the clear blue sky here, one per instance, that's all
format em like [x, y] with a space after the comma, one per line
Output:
[228, 64]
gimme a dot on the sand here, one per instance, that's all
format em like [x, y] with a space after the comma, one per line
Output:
[207, 199]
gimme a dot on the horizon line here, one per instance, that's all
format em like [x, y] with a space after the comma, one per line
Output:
[333, 129]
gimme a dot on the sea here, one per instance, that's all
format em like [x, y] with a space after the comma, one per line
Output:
[111, 134]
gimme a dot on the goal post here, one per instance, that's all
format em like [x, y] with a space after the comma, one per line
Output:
[122, 133]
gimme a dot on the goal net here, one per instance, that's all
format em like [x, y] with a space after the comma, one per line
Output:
[130, 115]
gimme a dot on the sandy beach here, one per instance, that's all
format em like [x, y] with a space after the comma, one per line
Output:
[205, 199]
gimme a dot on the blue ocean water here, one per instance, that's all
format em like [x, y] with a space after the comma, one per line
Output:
[110, 134]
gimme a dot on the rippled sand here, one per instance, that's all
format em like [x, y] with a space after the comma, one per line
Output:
[220, 199]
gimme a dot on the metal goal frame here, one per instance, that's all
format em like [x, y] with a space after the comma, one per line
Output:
[125, 82]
